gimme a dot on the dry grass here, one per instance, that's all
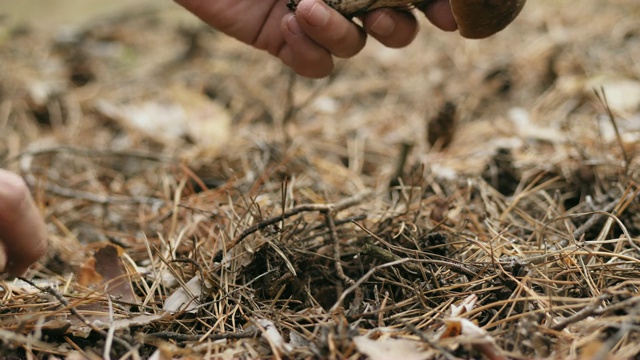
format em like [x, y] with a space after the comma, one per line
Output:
[279, 217]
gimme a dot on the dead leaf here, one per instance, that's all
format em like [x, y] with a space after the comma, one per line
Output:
[389, 348]
[105, 270]
[185, 298]
[185, 113]
[274, 337]
[623, 94]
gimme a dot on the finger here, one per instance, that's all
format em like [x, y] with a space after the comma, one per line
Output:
[392, 28]
[301, 53]
[3, 257]
[330, 29]
[439, 14]
[256, 23]
[22, 229]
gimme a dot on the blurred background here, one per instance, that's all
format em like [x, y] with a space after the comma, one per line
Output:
[53, 13]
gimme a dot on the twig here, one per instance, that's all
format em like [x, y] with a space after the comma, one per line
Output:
[386, 255]
[341, 205]
[362, 279]
[587, 311]
[98, 199]
[290, 103]
[110, 333]
[142, 155]
[340, 222]
[167, 335]
[602, 96]
[587, 225]
[335, 242]
[25, 166]
[192, 262]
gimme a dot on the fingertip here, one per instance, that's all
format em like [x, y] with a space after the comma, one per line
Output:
[393, 28]
[315, 13]
[381, 25]
[329, 29]
[302, 66]
[291, 26]
[300, 53]
[439, 14]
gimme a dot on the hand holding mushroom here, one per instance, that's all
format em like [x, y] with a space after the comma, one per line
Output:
[475, 19]
[307, 40]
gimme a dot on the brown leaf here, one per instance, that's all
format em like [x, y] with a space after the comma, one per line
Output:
[105, 269]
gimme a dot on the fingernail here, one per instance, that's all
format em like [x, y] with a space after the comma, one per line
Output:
[318, 15]
[383, 26]
[292, 25]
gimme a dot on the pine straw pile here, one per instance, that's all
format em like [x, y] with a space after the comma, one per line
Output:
[450, 200]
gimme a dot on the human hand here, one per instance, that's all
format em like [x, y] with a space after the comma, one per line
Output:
[23, 233]
[308, 39]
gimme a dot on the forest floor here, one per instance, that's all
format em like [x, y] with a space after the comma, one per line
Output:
[453, 199]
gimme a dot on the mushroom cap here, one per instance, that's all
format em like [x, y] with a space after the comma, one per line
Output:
[479, 19]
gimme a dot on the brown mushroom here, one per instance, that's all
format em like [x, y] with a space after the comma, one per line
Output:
[476, 19]
[479, 19]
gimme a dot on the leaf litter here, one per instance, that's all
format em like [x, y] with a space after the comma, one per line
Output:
[454, 199]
